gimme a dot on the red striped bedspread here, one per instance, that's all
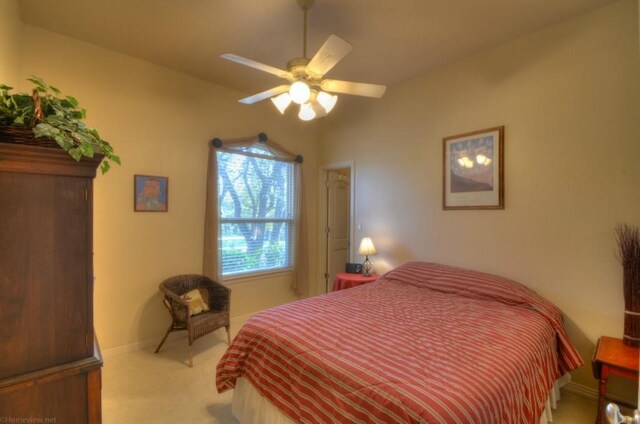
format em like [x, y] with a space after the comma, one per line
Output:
[426, 343]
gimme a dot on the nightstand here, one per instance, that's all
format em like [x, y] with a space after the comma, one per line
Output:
[612, 357]
[345, 280]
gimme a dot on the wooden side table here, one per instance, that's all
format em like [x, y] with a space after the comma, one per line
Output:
[612, 357]
[345, 280]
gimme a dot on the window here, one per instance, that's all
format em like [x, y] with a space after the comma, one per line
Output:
[256, 209]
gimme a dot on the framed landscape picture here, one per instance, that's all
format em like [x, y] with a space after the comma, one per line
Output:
[150, 194]
[473, 176]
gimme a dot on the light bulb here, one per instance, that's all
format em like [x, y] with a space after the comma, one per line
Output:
[306, 112]
[299, 92]
[327, 101]
[461, 161]
[282, 102]
[481, 159]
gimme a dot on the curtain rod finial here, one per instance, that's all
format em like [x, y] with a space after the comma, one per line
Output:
[262, 137]
[299, 159]
[217, 143]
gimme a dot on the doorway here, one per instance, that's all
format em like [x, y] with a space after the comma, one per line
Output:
[337, 222]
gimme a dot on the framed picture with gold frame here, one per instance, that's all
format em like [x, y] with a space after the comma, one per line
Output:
[473, 170]
[150, 193]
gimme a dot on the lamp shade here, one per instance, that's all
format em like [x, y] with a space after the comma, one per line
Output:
[282, 102]
[366, 247]
[327, 100]
[306, 112]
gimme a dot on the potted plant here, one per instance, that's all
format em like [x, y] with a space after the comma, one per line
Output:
[628, 238]
[47, 119]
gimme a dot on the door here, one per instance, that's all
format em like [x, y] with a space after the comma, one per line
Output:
[338, 222]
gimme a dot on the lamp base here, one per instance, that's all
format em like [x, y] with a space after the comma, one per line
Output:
[366, 267]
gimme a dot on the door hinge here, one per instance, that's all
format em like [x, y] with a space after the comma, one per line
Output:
[326, 275]
[86, 195]
[327, 183]
[327, 230]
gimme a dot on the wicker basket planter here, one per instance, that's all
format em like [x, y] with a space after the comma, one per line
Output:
[22, 135]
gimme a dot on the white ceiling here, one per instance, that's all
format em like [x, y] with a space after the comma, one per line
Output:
[393, 39]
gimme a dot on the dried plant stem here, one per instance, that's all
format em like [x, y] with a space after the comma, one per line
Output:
[628, 238]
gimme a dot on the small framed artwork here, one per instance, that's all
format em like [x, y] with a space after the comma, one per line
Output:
[150, 194]
[473, 176]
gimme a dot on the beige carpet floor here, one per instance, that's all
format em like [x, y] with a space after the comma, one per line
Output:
[143, 387]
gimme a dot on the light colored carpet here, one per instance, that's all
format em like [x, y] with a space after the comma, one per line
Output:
[143, 387]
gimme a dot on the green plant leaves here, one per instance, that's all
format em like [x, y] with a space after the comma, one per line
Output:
[15, 110]
[73, 101]
[61, 120]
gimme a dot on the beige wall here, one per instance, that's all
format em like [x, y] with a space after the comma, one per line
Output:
[9, 41]
[569, 97]
[159, 121]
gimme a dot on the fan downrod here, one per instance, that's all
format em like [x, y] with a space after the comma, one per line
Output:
[305, 5]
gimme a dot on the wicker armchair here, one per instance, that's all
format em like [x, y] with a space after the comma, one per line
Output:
[203, 323]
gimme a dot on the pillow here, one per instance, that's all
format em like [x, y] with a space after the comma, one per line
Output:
[474, 284]
[196, 302]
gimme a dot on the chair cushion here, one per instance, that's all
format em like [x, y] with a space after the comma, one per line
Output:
[196, 302]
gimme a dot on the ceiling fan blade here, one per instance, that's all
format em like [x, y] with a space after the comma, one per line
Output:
[257, 65]
[265, 95]
[331, 52]
[354, 88]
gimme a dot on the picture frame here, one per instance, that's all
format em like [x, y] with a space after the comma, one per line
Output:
[473, 170]
[150, 193]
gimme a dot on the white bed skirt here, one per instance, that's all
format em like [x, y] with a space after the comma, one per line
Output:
[249, 407]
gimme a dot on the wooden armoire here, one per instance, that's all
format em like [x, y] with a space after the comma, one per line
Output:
[50, 364]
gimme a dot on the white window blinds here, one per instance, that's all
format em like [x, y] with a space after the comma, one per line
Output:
[256, 207]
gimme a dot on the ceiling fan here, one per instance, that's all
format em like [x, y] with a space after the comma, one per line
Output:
[307, 85]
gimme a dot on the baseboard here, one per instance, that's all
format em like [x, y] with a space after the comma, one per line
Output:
[236, 322]
[109, 353]
[581, 390]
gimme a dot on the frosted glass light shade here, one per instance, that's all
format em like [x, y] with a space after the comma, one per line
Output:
[317, 107]
[299, 92]
[366, 247]
[306, 112]
[282, 102]
[327, 101]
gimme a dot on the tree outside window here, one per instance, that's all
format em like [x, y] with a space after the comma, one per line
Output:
[256, 207]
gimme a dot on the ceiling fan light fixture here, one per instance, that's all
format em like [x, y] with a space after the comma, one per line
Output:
[303, 72]
[299, 92]
[306, 112]
[326, 100]
[282, 102]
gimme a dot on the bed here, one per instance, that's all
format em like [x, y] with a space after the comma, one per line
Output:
[426, 343]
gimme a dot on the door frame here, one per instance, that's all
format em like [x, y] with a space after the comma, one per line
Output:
[321, 285]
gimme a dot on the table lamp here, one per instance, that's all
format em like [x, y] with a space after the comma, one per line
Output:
[366, 249]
